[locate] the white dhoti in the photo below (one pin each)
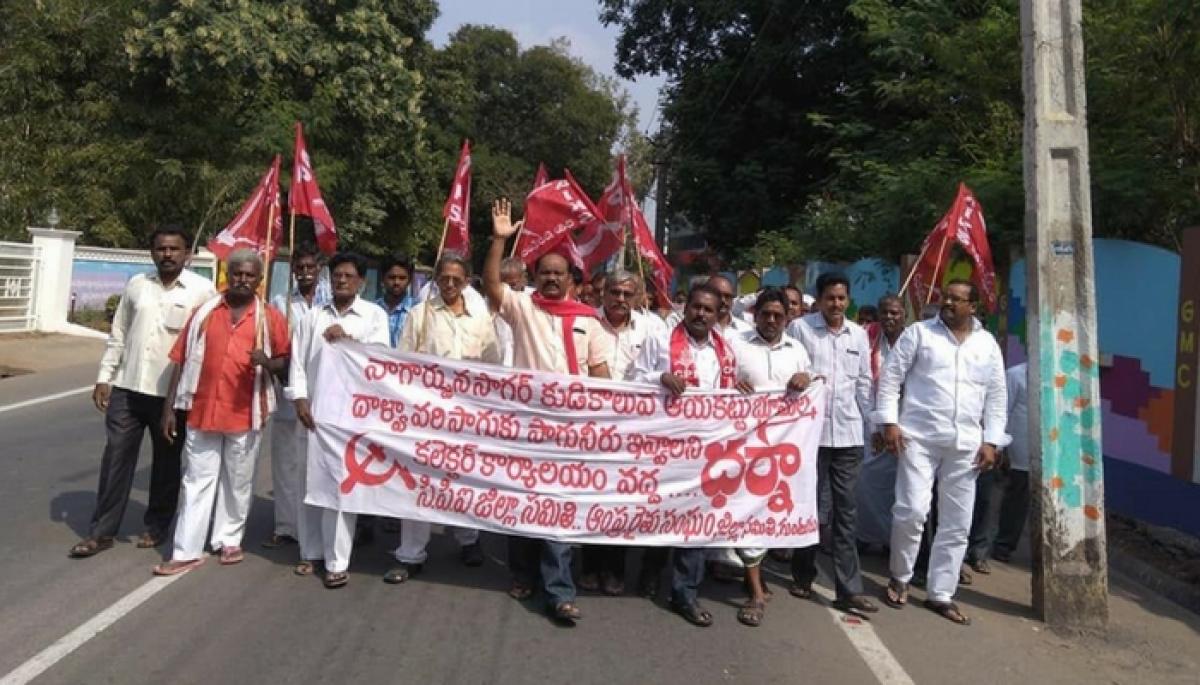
(954, 471)
(308, 517)
(287, 471)
(337, 538)
(414, 538)
(218, 483)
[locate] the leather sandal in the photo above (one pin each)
(693, 614)
(336, 579)
(90, 547)
(567, 611)
(149, 540)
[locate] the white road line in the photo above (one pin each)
(47, 398)
(93, 627)
(862, 635)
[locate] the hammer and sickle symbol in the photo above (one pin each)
(356, 471)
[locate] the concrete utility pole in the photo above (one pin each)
(1070, 576)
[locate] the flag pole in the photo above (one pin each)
(912, 271)
(938, 265)
(291, 252)
(425, 303)
(267, 265)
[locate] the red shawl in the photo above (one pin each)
(684, 366)
(566, 309)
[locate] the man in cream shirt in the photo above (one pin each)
(131, 387)
(446, 325)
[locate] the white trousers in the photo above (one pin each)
(218, 470)
(414, 538)
(287, 487)
(918, 468)
(324, 534)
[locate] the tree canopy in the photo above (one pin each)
(840, 129)
(124, 115)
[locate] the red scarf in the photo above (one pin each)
(566, 309)
(684, 366)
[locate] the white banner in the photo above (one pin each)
(561, 457)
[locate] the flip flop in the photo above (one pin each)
(174, 568)
(896, 594)
(231, 556)
(693, 614)
(751, 613)
(304, 568)
(336, 579)
(949, 611)
(90, 547)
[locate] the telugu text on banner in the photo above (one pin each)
(568, 458)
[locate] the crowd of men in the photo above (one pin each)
(918, 415)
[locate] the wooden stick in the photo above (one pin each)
(912, 271)
(258, 335)
(517, 241)
(937, 267)
(291, 276)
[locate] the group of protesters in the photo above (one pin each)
(916, 413)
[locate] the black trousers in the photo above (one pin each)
(524, 559)
(605, 559)
(837, 469)
(979, 545)
(1014, 511)
(128, 417)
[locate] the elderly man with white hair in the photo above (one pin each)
(222, 362)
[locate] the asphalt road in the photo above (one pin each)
(258, 622)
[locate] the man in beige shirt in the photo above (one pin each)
(445, 325)
(131, 387)
(551, 332)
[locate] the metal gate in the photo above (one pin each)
(18, 284)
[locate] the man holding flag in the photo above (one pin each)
(550, 333)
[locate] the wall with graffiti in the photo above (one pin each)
(1137, 296)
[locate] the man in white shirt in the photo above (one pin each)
(328, 534)
(767, 359)
(604, 565)
(131, 387)
(512, 272)
(286, 455)
(446, 325)
(950, 425)
(1014, 507)
(551, 332)
(727, 323)
(691, 355)
(840, 352)
(876, 491)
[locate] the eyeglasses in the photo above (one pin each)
(953, 299)
(450, 280)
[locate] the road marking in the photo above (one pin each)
(93, 627)
(47, 398)
(862, 635)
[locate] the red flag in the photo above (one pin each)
(542, 176)
(971, 233)
(962, 224)
(552, 211)
(662, 273)
(304, 198)
(457, 211)
(249, 229)
(601, 239)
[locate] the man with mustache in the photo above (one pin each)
(551, 332)
(949, 426)
(604, 565)
(285, 452)
(446, 325)
(693, 354)
(768, 359)
(876, 489)
(131, 389)
(328, 534)
(841, 354)
(223, 362)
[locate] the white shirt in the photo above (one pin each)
(844, 359)
(767, 366)
(655, 360)
(147, 322)
(949, 388)
(629, 341)
(1016, 380)
(736, 325)
(443, 333)
(504, 337)
(300, 308)
(364, 321)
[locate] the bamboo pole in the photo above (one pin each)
(938, 267)
(291, 253)
(259, 333)
(912, 271)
